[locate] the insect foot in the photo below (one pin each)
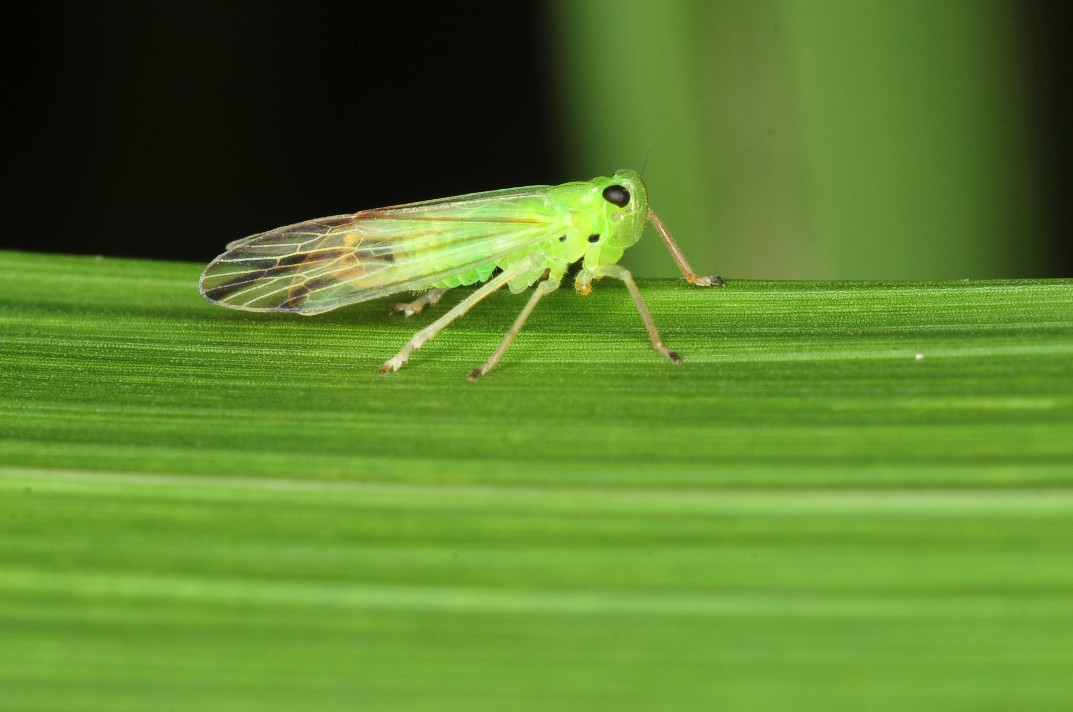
(477, 373)
(430, 298)
(392, 364)
(407, 308)
(710, 281)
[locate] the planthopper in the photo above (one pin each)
(515, 237)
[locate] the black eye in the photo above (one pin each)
(617, 195)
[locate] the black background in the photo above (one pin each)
(158, 130)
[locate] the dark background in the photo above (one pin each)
(1050, 68)
(157, 130)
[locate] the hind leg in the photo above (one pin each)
(419, 339)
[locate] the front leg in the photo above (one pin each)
(679, 256)
(618, 272)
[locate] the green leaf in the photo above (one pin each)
(850, 495)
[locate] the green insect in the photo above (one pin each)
(531, 235)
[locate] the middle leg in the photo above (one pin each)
(545, 287)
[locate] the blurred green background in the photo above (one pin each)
(820, 139)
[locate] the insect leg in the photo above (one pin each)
(429, 298)
(545, 287)
(418, 339)
(619, 272)
(679, 256)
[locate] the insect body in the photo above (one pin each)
(531, 235)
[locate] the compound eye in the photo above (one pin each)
(617, 195)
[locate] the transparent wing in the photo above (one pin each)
(323, 264)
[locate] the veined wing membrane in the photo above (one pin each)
(322, 264)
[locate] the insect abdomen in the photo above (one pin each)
(480, 274)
